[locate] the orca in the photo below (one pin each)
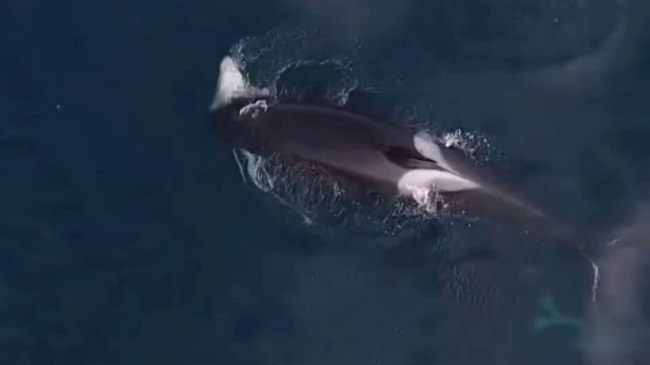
(379, 156)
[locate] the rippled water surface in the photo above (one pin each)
(128, 237)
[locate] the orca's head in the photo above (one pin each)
(233, 92)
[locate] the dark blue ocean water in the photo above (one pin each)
(127, 236)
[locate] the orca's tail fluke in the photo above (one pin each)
(618, 314)
(596, 246)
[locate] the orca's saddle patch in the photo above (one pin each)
(409, 159)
